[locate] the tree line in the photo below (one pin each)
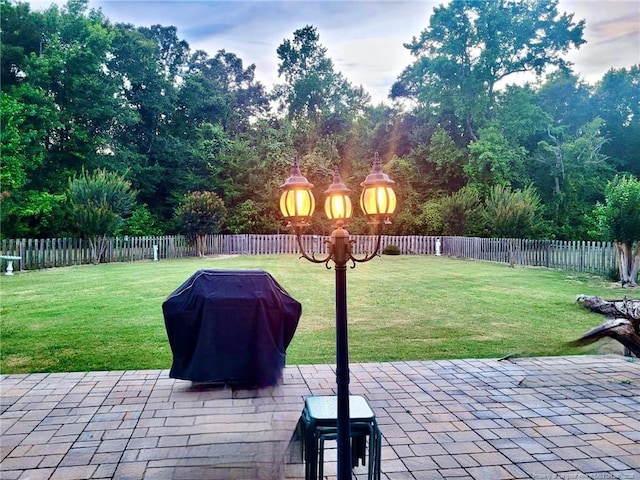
(472, 153)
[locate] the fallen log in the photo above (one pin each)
(622, 322)
(625, 308)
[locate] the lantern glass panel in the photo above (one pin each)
(378, 200)
(297, 203)
(337, 207)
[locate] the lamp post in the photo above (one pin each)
(378, 202)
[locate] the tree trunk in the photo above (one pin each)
(470, 129)
(98, 246)
(624, 308)
(512, 254)
(635, 266)
(201, 243)
(628, 263)
(558, 171)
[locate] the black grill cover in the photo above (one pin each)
(230, 327)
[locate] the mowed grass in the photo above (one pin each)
(109, 317)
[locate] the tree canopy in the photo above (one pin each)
(472, 45)
(619, 221)
(200, 214)
(81, 94)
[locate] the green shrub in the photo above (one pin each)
(141, 223)
(391, 250)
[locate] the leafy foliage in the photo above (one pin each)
(471, 45)
(80, 93)
(619, 220)
(512, 213)
(619, 216)
(617, 99)
(141, 223)
(460, 212)
(430, 219)
(313, 88)
(100, 201)
(200, 214)
(494, 161)
(574, 173)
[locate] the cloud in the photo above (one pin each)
(612, 33)
(617, 29)
(364, 39)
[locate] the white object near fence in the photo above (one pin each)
(155, 253)
(438, 247)
(10, 259)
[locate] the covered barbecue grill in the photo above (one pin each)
(230, 327)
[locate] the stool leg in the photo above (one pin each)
(378, 453)
(310, 449)
(321, 458)
(372, 458)
(312, 458)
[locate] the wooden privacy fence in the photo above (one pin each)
(592, 257)
(41, 253)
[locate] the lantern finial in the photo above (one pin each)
(296, 179)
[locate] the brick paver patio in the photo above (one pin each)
(542, 418)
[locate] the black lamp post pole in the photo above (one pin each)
(378, 202)
(341, 250)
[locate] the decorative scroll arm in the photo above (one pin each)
(339, 248)
(374, 253)
(303, 254)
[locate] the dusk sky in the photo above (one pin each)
(363, 38)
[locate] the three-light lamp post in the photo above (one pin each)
(378, 202)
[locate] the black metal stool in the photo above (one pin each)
(319, 422)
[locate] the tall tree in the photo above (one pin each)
(60, 100)
(23, 34)
(472, 45)
(566, 100)
(619, 220)
(520, 118)
(617, 100)
(312, 88)
(28, 115)
(221, 90)
(146, 62)
(71, 68)
(571, 172)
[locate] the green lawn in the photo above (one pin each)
(109, 317)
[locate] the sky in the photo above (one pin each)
(364, 38)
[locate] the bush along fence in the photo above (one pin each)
(590, 257)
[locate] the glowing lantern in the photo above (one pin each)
(378, 200)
